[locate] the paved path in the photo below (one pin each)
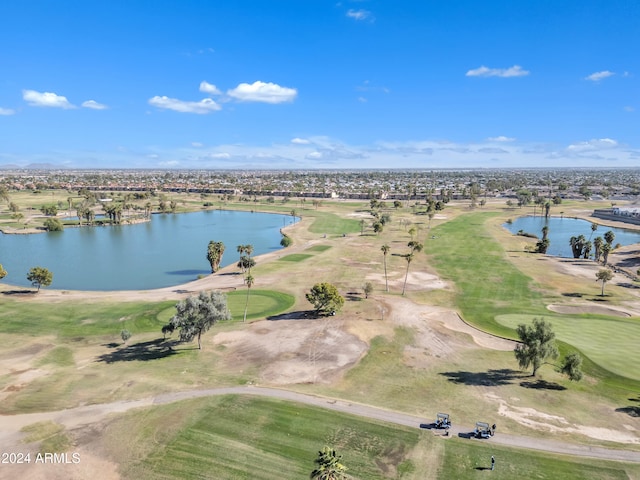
(10, 425)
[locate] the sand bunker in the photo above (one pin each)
(555, 424)
(585, 308)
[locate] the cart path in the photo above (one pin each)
(10, 425)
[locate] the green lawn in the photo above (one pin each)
(71, 319)
(295, 257)
(236, 437)
(611, 343)
(487, 284)
(332, 224)
(262, 303)
(318, 248)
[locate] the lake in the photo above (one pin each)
(562, 229)
(169, 250)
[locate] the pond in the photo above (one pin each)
(562, 229)
(169, 250)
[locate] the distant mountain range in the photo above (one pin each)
(31, 166)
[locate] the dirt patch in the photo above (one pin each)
(595, 309)
(422, 281)
(293, 351)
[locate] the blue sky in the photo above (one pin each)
(320, 84)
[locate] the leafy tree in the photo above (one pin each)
(325, 298)
(3, 272)
(125, 335)
(53, 225)
(397, 204)
(368, 289)
(385, 251)
(40, 277)
(537, 344)
(49, 210)
(603, 275)
(572, 367)
(363, 223)
(328, 466)
(249, 280)
(286, 241)
(197, 314)
(215, 250)
(378, 227)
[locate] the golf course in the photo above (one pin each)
(276, 383)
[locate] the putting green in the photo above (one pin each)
(612, 343)
(262, 303)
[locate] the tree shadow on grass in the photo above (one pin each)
(633, 410)
(142, 351)
(297, 315)
(542, 385)
(503, 376)
(19, 292)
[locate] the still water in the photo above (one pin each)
(562, 229)
(169, 250)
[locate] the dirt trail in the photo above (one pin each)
(75, 417)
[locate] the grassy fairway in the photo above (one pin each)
(488, 285)
(242, 437)
(611, 343)
(333, 224)
(471, 459)
(235, 437)
(295, 257)
(262, 303)
(79, 320)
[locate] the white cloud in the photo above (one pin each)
(313, 155)
(300, 141)
(597, 76)
(262, 92)
(46, 99)
(6, 111)
(204, 106)
(197, 144)
(515, 71)
(94, 105)
(362, 100)
(224, 155)
(629, 108)
(501, 138)
(209, 88)
(359, 14)
(593, 144)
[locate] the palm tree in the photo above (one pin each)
(385, 250)
(415, 246)
(249, 280)
(597, 245)
(609, 237)
(215, 250)
(408, 258)
(328, 466)
(594, 227)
